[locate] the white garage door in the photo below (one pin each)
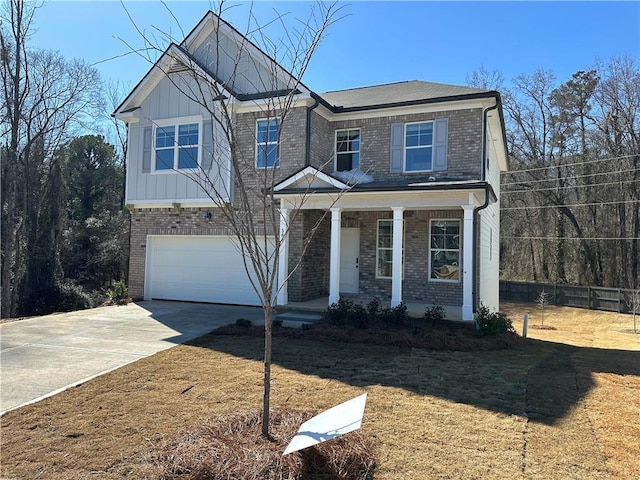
(197, 269)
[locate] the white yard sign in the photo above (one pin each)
(332, 423)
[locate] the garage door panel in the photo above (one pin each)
(203, 269)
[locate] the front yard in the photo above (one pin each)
(562, 405)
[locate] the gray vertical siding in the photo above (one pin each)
(166, 101)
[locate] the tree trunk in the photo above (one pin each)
(268, 312)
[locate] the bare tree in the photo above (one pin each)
(44, 98)
(248, 202)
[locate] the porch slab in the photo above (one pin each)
(415, 309)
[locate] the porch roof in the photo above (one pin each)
(378, 196)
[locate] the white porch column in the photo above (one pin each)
(334, 262)
(467, 264)
(396, 259)
(283, 258)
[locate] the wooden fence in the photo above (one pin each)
(593, 298)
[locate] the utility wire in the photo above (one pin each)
(574, 177)
(568, 238)
(569, 164)
(572, 205)
(570, 186)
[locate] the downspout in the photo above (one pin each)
(476, 211)
(307, 160)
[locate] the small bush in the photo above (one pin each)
(492, 323)
(374, 308)
(244, 323)
(276, 323)
(434, 314)
(396, 316)
(338, 313)
(71, 297)
(118, 293)
(358, 316)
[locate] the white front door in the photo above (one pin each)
(349, 260)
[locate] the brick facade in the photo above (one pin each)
(311, 277)
(464, 150)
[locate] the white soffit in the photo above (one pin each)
(332, 423)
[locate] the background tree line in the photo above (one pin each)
(64, 232)
(570, 209)
(570, 202)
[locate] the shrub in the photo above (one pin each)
(243, 322)
(396, 316)
(358, 316)
(71, 297)
(434, 314)
(276, 322)
(374, 308)
(118, 293)
(338, 313)
(492, 323)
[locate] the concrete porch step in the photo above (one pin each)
(297, 319)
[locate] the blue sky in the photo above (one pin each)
(376, 42)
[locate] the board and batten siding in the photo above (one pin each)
(166, 102)
(490, 239)
(244, 73)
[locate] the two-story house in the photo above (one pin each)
(400, 183)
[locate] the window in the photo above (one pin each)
(267, 143)
(444, 261)
(384, 250)
(176, 155)
(418, 147)
(347, 149)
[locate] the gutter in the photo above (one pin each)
(476, 211)
(307, 154)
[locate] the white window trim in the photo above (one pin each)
(175, 122)
(460, 252)
(404, 147)
(277, 161)
(391, 248)
(335, 146)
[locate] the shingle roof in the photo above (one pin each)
(394, 93)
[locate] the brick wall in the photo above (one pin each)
(464, 151)
(416, 285)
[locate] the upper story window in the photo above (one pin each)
(267, 155)
(347, 149)
(444, 258)
(418, 147)
(176, 147)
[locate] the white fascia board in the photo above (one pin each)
(159, 71)
(314, 174)
(444, 106)
(494, 134)
(360, 201)
(129, 116)
(186, 203)
(249, 106)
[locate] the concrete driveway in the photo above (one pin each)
(42, 356)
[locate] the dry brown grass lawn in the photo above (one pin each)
(564, 405)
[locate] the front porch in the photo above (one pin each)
(414, 308)
(412, 244)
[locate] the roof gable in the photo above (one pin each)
(310, 178)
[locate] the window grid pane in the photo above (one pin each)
(418, 147)
(347, 149)
(445, 250)
(267, 143)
